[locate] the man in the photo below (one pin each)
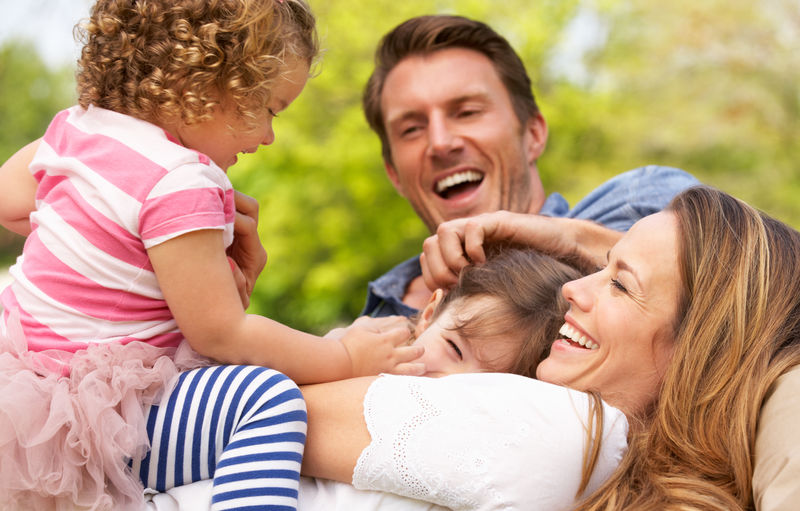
(461, 134)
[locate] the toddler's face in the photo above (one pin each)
(222, 144)
(447, 352)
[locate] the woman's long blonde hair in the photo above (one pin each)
(738, 330)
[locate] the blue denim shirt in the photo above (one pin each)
(618, 204)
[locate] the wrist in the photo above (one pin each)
(344, 364)
(592, 243)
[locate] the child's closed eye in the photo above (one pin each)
(455, 348)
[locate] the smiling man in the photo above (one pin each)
(461, 134)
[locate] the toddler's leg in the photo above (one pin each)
(245, 426)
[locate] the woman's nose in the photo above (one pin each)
(579, 293)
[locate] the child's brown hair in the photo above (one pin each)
(176, 60)
(526, 287)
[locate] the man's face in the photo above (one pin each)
(457, 146)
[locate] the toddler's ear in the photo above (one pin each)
(426, 317)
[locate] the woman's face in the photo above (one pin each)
(619, 331)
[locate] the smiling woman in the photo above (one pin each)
(621, 319)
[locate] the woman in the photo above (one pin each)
(695, 314)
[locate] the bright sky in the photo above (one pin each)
(47, 24)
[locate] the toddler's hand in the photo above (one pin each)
(380, 345)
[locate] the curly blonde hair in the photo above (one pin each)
(176, 60)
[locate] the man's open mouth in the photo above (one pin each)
(458, 183)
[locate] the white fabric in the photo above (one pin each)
(482, 441)
(315, 495)
(472, 441)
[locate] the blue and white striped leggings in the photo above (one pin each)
(243, 426)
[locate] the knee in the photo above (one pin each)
(280, 393)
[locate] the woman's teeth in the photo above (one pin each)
(572, 334)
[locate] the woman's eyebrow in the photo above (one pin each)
(623, 266)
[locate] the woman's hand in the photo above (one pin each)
(380, 345)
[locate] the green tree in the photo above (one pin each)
(30, 94)
(709, 86)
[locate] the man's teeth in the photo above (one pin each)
(457, 179)
(568, 331)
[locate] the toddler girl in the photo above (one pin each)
(126, 258)
(502, 316)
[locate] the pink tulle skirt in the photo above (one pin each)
(66, 435)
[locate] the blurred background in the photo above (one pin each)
(712, 87)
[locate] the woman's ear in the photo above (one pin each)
(426, 317)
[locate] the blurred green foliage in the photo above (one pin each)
(711, 87)
(30, 93)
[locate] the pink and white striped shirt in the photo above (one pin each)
(110, 186)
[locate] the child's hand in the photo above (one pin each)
(247, 250)
(380, 345)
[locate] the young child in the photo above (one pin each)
(502, 316)
(126, 258)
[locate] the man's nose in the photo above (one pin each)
(442, 138)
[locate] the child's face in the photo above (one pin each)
(218, 141)
(447, 352)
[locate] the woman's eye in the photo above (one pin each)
(272, 112)
(455, 348)
(618, 285)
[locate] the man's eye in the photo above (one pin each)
(468, 112)
(272, 112)
(408, 130)
(455, 348)
(618, 285)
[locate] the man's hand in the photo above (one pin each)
(246, 253)
(380, 345)
(462, 241)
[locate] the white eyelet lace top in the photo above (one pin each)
(485, 441)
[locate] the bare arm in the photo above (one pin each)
(18, 190)
(194, 275)
(456, 243)
(337, 432)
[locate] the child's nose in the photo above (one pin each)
(269, 136)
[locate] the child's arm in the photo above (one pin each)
(18, 190)
(197, 283)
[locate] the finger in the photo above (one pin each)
(408, 353)
(400, 335)
(451, 245)
(474, 241)
(244, 224)
(435, 270)
(246, 205)
(384, 324)
(409, 369)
